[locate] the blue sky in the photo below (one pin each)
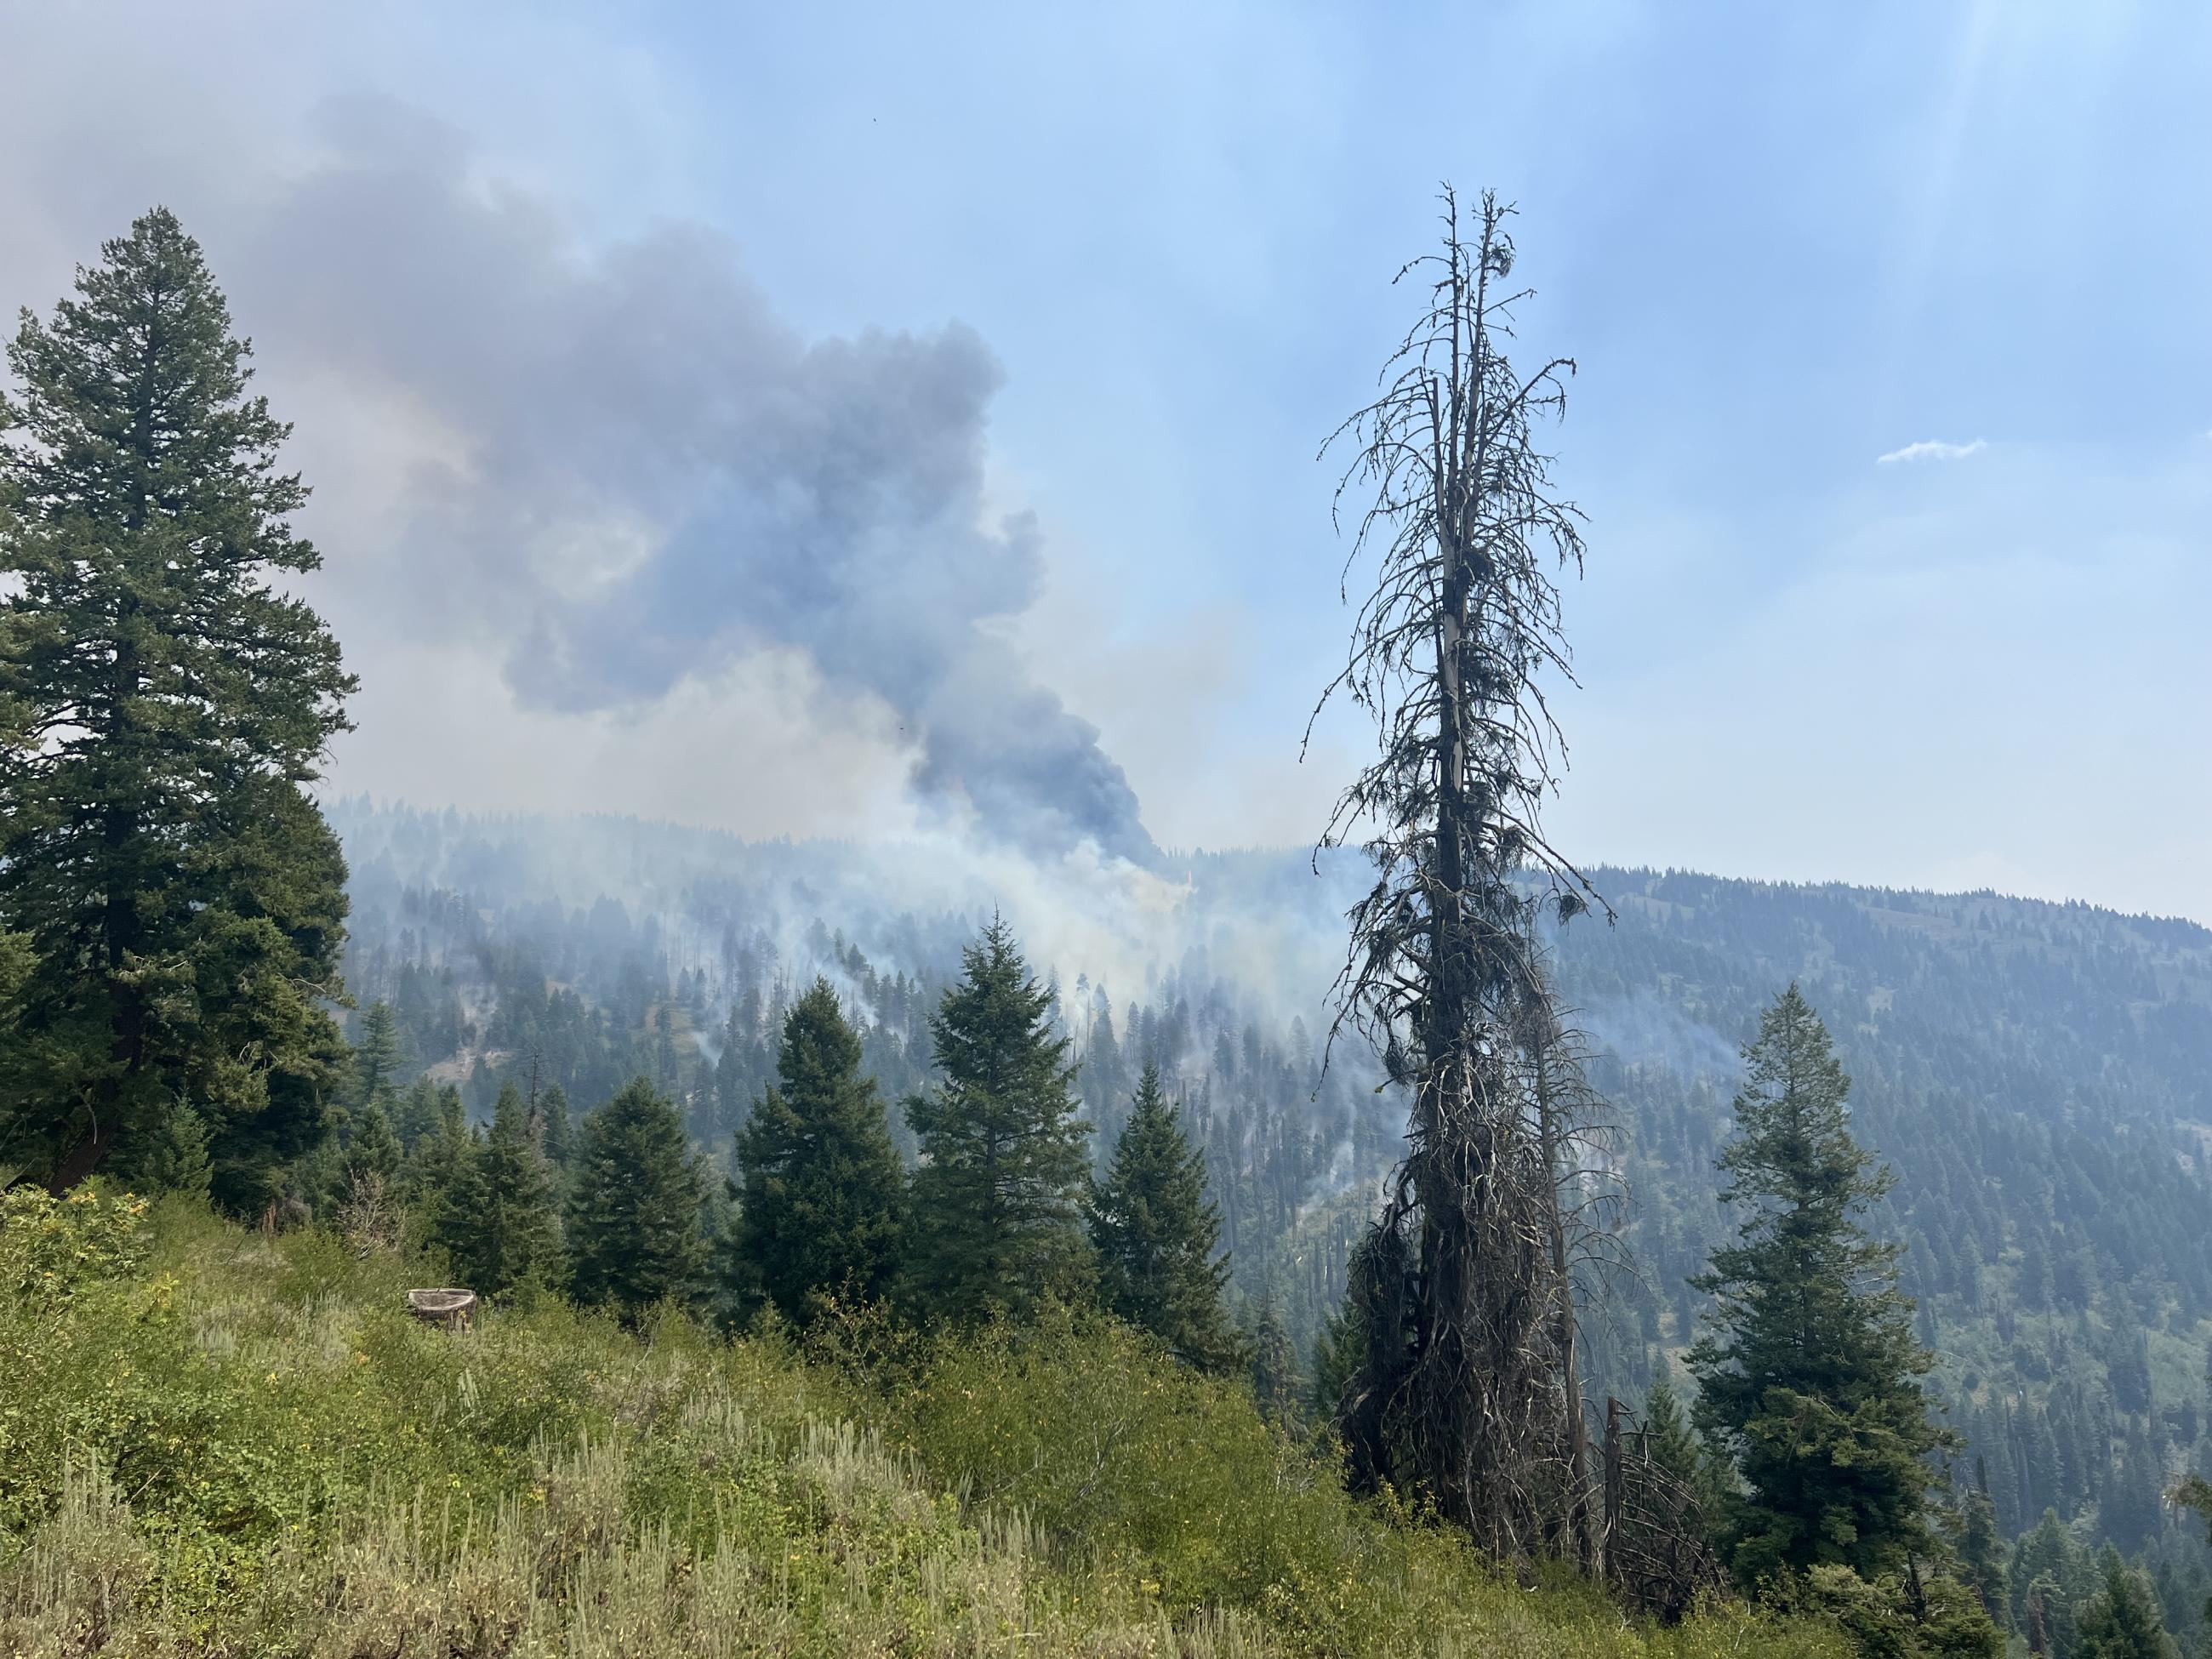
(1782, 242)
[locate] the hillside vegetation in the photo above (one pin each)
(217, 1440)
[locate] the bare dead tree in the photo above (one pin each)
(1654, 1527)
(1469, 1390)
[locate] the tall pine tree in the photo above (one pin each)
(635, 1198)
(161, 707)
(1809, 1373)
(822, 1195)
(1157, 1234)
(997, 1202)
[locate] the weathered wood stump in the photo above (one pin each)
(450, 1308)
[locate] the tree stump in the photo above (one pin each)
(451, 1308)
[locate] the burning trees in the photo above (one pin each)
(1468, 1389)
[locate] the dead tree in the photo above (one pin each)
(1654, 1527)
(1468, 1392)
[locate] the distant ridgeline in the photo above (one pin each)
(2039, 1074)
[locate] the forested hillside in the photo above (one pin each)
(2039, 1075)
(984, 1242)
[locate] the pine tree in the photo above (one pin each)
(1676, 1449)
(1157, 1234)
(172, 1158)
(2122, 1620)
(822, 1195)
(634, 1206)
(1339, 1350)
(379, 1055)
(438, 1165)
(372, 1147)
(2053, 1576)
(416, 1112)
(504, 1229)
(556, 1130)
(1809, 1370)
(1275, 1361)
(997, 1202)
(161, 708)
(2195, 1493)
(1981, 1552)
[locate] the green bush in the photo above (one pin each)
(218, 1441)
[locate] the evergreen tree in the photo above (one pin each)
(1981, 1554)
(1155, 1233)
(1275, 1361)
(172, 1158)
(1339, 1350)
(436, 1165)
(379, 1055)
(2195, 1493)
(373, 1148)
(2122, 1620)
(1809, 1370)
(1674, 1447)
(634, 1206)
(2051, 1576)
(822, 1195)
(997, 1202)
(504, 1228)
(557, 1129)
(161, 707)
(417, 1112)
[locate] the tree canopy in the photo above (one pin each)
(161, 705)
(821, 1190)
(996, 1210)
(1808, 1371)
(1157, 1235)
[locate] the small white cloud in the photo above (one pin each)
(1930, 449)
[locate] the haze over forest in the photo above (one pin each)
(778, 696)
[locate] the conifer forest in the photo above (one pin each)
(595, 1059)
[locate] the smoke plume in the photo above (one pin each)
(624, 468)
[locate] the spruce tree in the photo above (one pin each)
(2122, 1620)
(635, 1200)
(1809, 1373)
(1157, 1234)
(504, 1228)
(997, 1202)
(821, 1192)
(161, 707)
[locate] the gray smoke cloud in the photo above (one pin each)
(629, 466)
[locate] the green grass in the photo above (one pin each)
(226, 1442)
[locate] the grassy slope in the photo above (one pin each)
(242, 1444)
